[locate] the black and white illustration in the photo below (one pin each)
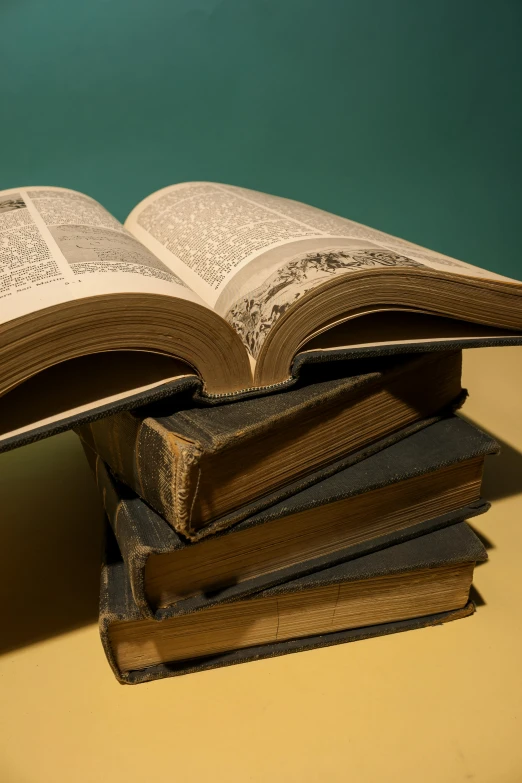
(11, 202)
(90, 249)
(429, 256)
(253, 315)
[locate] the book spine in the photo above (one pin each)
(132, 550)
(116, 605)
(158, 465)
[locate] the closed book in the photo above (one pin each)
(201, 469)
(426, 481)
(420, 582)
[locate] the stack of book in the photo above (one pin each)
(325, 514)
(293, 473)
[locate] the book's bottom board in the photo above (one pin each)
(259, 652)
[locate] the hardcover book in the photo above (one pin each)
(201, 468)
(215, 285)
(427, 481)
(424, 581)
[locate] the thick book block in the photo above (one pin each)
(215, 287)
(426, 481)
(201, 469)
(441, 563)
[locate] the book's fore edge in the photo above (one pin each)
(453, 540)
(274, 578)
(483, 446)
(250, 654)
(237, 515)
(260, 504)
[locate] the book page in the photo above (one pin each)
(252, 255)
(57, 245)
(207, 232)
(210, 234)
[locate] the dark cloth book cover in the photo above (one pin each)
(142, 533)
(454, 545)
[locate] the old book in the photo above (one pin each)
(200, 468)
(427, 481)
(211, 282)
(419, 582)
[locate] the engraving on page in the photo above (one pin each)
(253, 315)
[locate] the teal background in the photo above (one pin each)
(404, 114)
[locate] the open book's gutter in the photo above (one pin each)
(251, 389)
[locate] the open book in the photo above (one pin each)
(216, 281)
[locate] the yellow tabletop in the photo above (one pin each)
(435, 705)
